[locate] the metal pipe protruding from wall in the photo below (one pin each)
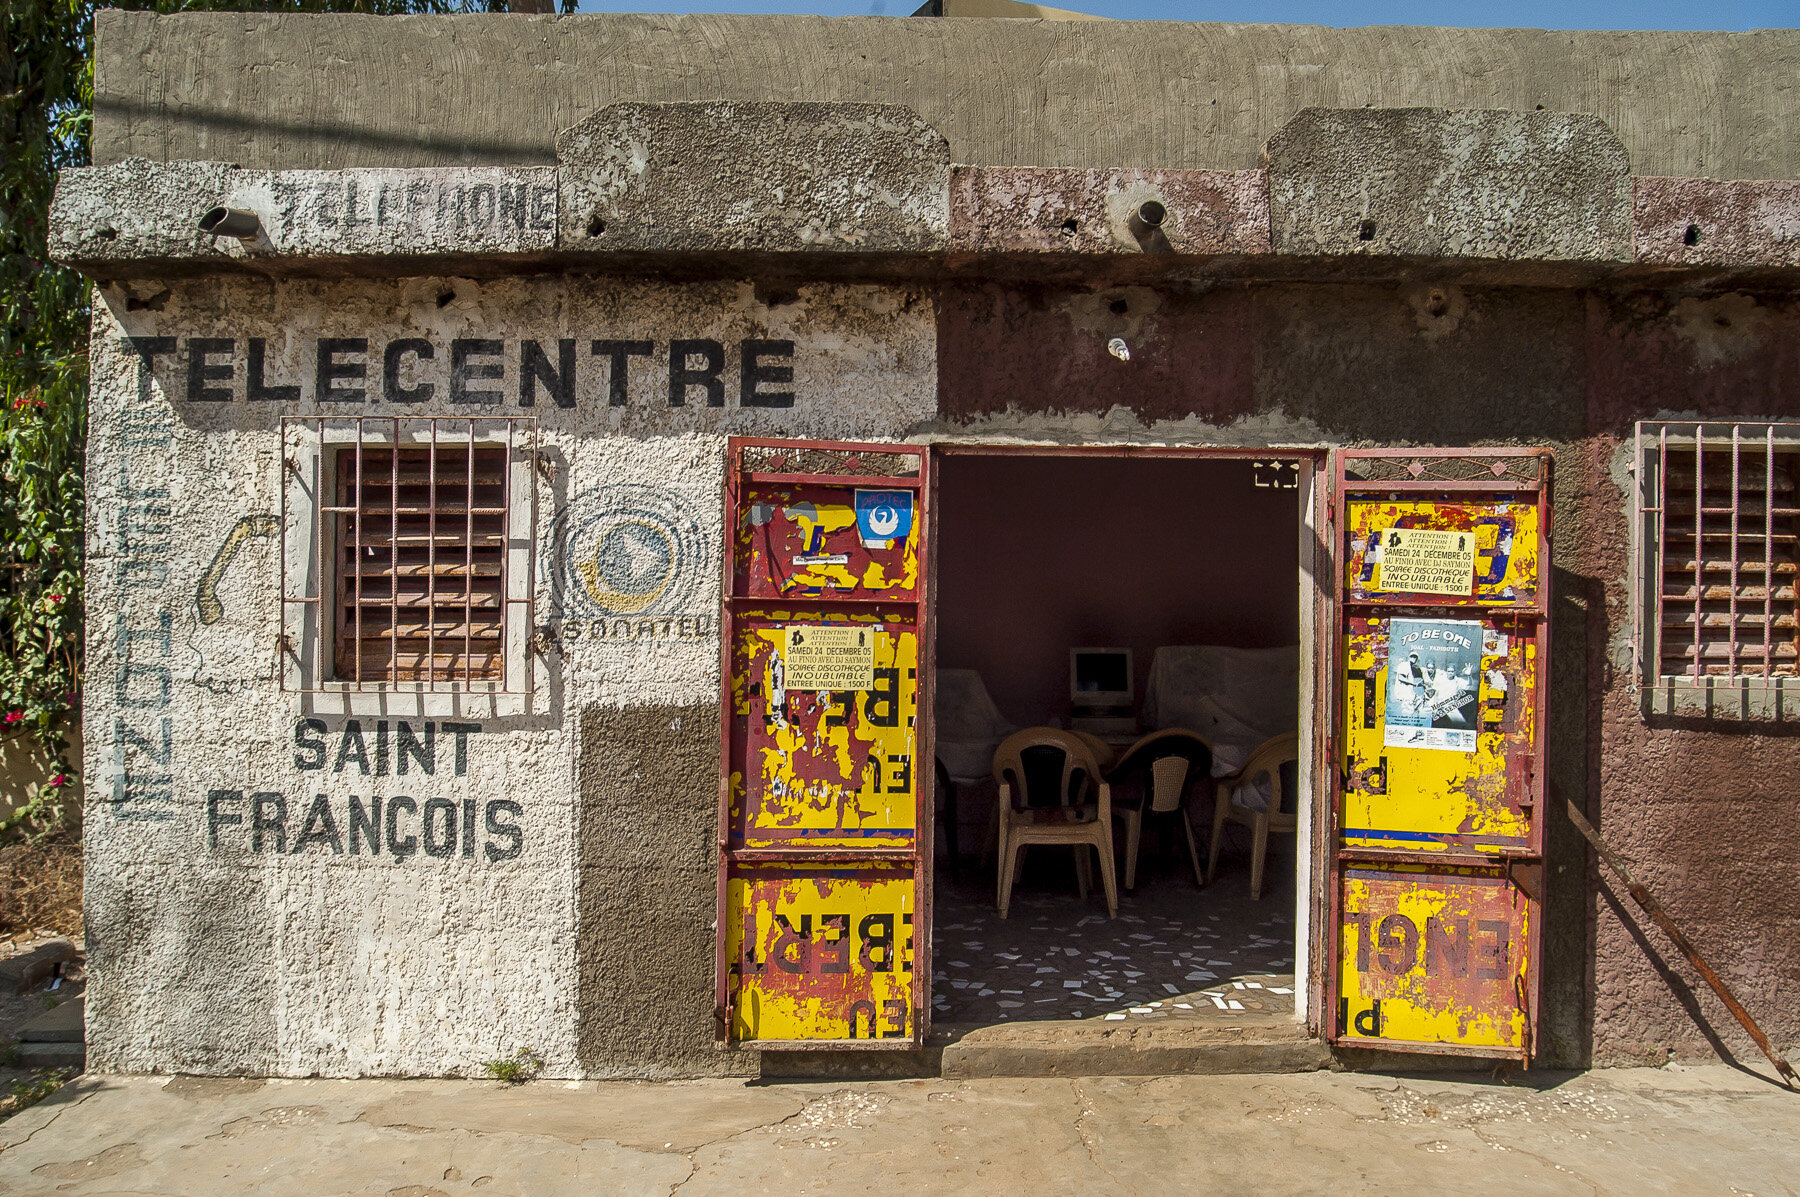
(241, 223)
(1147, 218)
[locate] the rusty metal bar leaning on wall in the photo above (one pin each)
(1654, 909)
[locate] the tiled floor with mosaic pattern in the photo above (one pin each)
(1173, 950)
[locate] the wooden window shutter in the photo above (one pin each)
(420, 561)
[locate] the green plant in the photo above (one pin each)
(33, 1089)
(523, 1065)
(46, 97)
(46, 112)
(9, 1055)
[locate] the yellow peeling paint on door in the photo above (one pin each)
(822, 957)
(1437, 845)
(823, 932)
(1434, 957)
(819, 762)
(802, 541)
(1506, 544)
(1439, 799)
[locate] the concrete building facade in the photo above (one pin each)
(593, 250)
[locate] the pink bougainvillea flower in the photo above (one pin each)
(14, 716)
(61, 779)
(56, 598)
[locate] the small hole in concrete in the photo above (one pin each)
(445, 297)
(1722, 321)
(1693, 235)
(596, 226)
(107, 234)
(774, 296)
(1437, 303)
(1070, 227)
(1119, 307)
(1540, 107)
(1366, 232)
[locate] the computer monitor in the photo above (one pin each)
(1100, 677)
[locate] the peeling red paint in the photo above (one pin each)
(1713, 222)
(1039, 210)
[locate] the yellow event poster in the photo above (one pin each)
(829, 658)
(1427, 561)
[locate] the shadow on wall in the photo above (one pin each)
(648, 787)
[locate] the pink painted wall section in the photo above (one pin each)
(1038, 555)
(1706, 813)
(1010, 210)
(1022, 348)
(1049, 211)
(1675, 355)
(1709, 222)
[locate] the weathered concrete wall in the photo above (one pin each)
(1697, 804)
(649, 793)
(637, 188)
(767, 178)
(1703, 808)
(574, 921)
(1257, 315)
(1424, 183)
(337, 91)
(593, 944)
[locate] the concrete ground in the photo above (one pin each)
(1679, 1130)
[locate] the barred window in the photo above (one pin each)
(421, 547)
(1719, 522)
(418, 572)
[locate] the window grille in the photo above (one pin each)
(419, 571)
(1719, 517)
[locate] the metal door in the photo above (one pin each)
(1436, 844)
(825, 798)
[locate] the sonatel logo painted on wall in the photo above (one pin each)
(488, 371)
(398, 825)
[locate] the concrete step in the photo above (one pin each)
(64, 1024)
(1095, 1047)
(51, 1055)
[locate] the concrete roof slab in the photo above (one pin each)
(754, 177)
(1448, 183)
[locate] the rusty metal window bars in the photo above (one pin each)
(1718, 507)
(416, 539)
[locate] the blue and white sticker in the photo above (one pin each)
(883, 516)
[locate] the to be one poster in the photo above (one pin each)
(1434, 684)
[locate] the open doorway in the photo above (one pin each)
(1126, 595)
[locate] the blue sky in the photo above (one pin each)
(1540, 14)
